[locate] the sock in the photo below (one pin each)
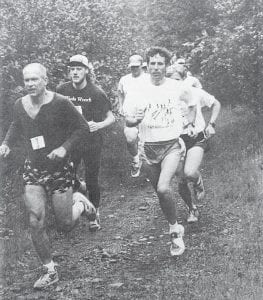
(50, 266)
(198, 180)
(173, 227)
(136, 158)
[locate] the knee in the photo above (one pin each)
(189, 174)
(36, 222)
(163, 189)
(131, 135)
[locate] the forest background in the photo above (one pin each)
(221, 39)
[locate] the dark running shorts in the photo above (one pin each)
(199, 141)
(58, 181)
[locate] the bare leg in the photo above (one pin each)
(66, 213)
(193, 161)
(164, 190)
(35, 199)
(131, 135)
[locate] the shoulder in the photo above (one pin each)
(125, 77)
(60, 100)
(64, 86)
(96, 89)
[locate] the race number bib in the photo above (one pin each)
(38, 142)
(79, 108)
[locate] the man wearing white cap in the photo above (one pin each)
(128, 89)
(93, 104)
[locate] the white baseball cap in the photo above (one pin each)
(135, 61)
(181, 61)
(79, 60)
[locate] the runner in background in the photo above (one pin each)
(195, 146)
(93, 104)
(128, 89)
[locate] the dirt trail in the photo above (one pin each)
(129, 258)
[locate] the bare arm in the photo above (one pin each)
(95, 126)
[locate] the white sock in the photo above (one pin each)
(136, 158)
(50, 266)
(173, 227)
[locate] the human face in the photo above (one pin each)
(78, 74)
(35, 82)
(136, 71)
(157, 69)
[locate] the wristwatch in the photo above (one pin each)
(213, 124)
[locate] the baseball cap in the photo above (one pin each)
(181, 61)
(135, 60)
(79, 60)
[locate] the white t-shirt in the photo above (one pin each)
(130, 87)
(193, 81)
(202, 99)
(163, 120)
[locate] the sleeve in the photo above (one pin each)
(120, 86)
(188, 95)
(103, 102)
(206, 100)
(15, 128)
(77, 125)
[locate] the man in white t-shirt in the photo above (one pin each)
(179, 68)
(161, 124)
(128, 89)
(195, 146)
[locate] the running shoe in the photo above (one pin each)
(199, 188)
(89, 209)
(136, 168)
(47, 279)
(193, 215)
(95, 225)
(177, 246)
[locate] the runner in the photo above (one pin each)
(159, 113)
(93, 104)
(195, 146)
(128, 88)
(180, 66)
(51, 126)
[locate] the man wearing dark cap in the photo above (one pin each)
(91, 101)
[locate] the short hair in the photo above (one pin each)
(40, 67)
(158, 50)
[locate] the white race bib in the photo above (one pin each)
(38, 142)
(79, 108)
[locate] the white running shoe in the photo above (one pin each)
(89, 209)
(47, 279)
(95, 225)
(193, 215)
(177, 246)
(136, 168)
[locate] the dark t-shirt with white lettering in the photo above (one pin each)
(91, 102)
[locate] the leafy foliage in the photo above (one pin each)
(222, 40)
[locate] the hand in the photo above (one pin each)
(139, 115)
(209, 131)
(93, 126)
(58, 153)
(4, 150)
(191, 131)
